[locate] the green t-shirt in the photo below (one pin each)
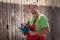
(40, 23)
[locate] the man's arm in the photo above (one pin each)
(41, 32)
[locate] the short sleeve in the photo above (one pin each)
(43, 22)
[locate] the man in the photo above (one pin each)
(38, 24)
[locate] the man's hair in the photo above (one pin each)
(31, 4)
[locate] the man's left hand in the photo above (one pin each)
(32, 33)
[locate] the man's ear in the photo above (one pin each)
(36, 8)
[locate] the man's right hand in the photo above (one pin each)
(23, 24)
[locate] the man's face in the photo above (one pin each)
(33, 8)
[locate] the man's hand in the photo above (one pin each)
(32, 33)
(23, 24)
